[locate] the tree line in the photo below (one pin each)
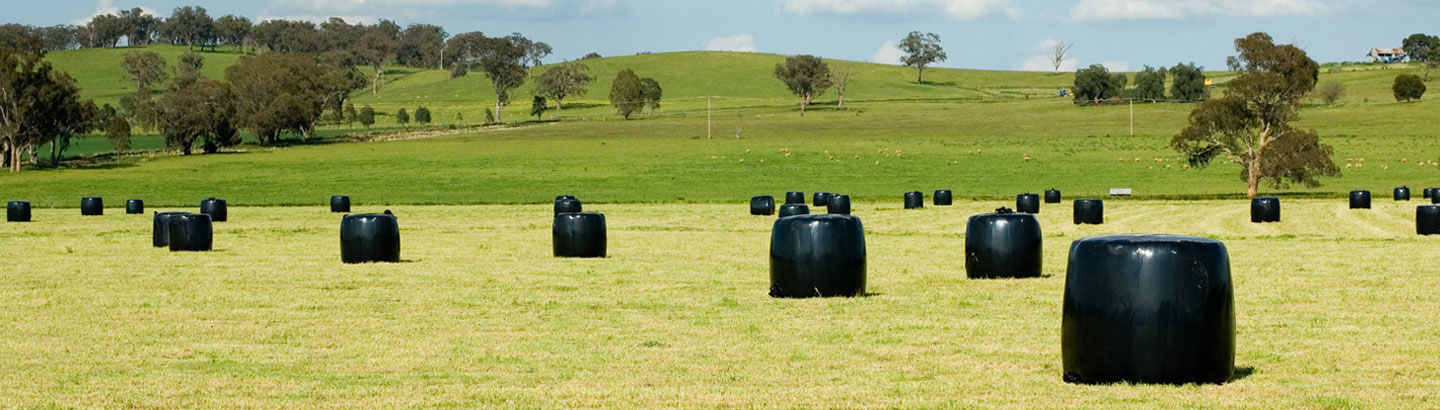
(1097, 85)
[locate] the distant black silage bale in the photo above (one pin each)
(366, 238)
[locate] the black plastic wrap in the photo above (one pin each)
(762, 205)
(1402, 194)
(1265, 209)
(1004, 244)
(191, 233)
(368, 238)
(215, 208)
(794, 197)
(1148, 309)
(817, 256)
(839, 205)
(914, 200)
(794, 209)
(1052, 196)
(160, 237)
(821, 199)
(579, 235)
(1089, 211)
(134, 206)
(17, 211)
(92, 206)
(1359, 199)
(340, 204)
(943, 197)
(567, 206)
(1027, 203)
(1427, 219)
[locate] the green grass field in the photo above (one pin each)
(1335, 308)
(968, 148)
(1336, 314)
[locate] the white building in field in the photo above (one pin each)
(1385, 55)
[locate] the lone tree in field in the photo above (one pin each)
(650, 92)
(367, 116)
(1060, 52)
(921, 50)
(563, 81)
(806, 76)
(1188, 83)
(501, 60)
(627, 93)
(537, 107)
(1095, 84)
(402, 117)
(843, 79)
(422, 115)
(1251, 124)
(1408, 87)
(117, 131)
(145, 68)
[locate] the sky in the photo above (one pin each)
(984, 34)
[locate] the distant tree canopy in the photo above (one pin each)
(402, 117)
(286, 92)
(627, 93)
(38, 105)
(921, 50)
(366, 116)
(806, 76)
(1251, 123)
(1149, 84)
(1421, 47)
(422, 115)
(1095, 84)
(1408, 87)
(191, 26)
(564, 81)
(650, 93)
(233, 30)
(421, 46)
(1189, 83)
(195, 108)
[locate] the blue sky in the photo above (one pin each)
(989, 34)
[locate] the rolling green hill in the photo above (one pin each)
(964, 129)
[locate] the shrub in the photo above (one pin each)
(1331, 91)
(1408, 87)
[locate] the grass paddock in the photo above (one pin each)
(1335, 310)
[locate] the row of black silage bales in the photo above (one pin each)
(1124, 319)
(1114, 283)
(1118, 322)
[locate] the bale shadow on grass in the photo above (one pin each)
(1242, 372)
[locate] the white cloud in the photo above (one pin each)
(1041, 61)
(959, 9)
(108, 7)
(889, 53)
(1116, 66)
(1099, 10)
(742, 42)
